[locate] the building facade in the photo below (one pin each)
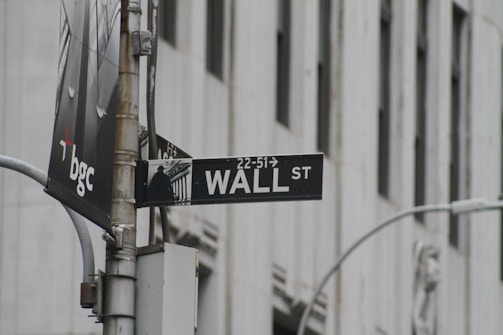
(404, 97)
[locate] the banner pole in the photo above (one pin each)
(120, 273)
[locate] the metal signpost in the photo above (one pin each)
(229, 180)
(94, 149)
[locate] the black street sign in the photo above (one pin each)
(166, 149)
(81, 162)
(229, 180)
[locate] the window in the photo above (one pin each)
(279, 329)
(421, 117)
(457, 121)
(384, 118)
(215, 37)
(324, 76)
(167, 21)
(283, 62)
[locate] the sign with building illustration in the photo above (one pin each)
(229, 180)
(81, 162)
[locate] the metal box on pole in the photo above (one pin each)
(166, 290)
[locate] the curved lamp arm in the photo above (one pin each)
(78, 221)
(456, 207)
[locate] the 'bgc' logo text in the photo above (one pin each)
(80, 171)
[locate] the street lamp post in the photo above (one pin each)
(86, 245)
(456, 208)
(83, 234)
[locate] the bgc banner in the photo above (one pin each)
(81, 162)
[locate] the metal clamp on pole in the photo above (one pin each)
(141, 43)
(88, 296)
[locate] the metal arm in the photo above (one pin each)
(457, 207)
(78, 221)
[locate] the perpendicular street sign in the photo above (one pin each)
(166, 149)
(229, 180)
(81, 162)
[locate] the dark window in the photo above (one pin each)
(279, 329)
(167, 21)
(384, 117)
(283, 62)
(215, 37)
(324, 76)
(421, 114)
(458, 18)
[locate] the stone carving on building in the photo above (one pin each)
(426, 278)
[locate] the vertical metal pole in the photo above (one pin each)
(120, 273)
(153, 25)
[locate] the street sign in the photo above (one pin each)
(229, 180)
(81, 162)
(165, 149)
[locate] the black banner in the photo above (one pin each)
(81, 162)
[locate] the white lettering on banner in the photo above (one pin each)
(81, 172)
(240, 181)
(63, 144)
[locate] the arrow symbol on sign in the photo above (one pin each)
(273, 161)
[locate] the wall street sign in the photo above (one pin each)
(229, 180)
